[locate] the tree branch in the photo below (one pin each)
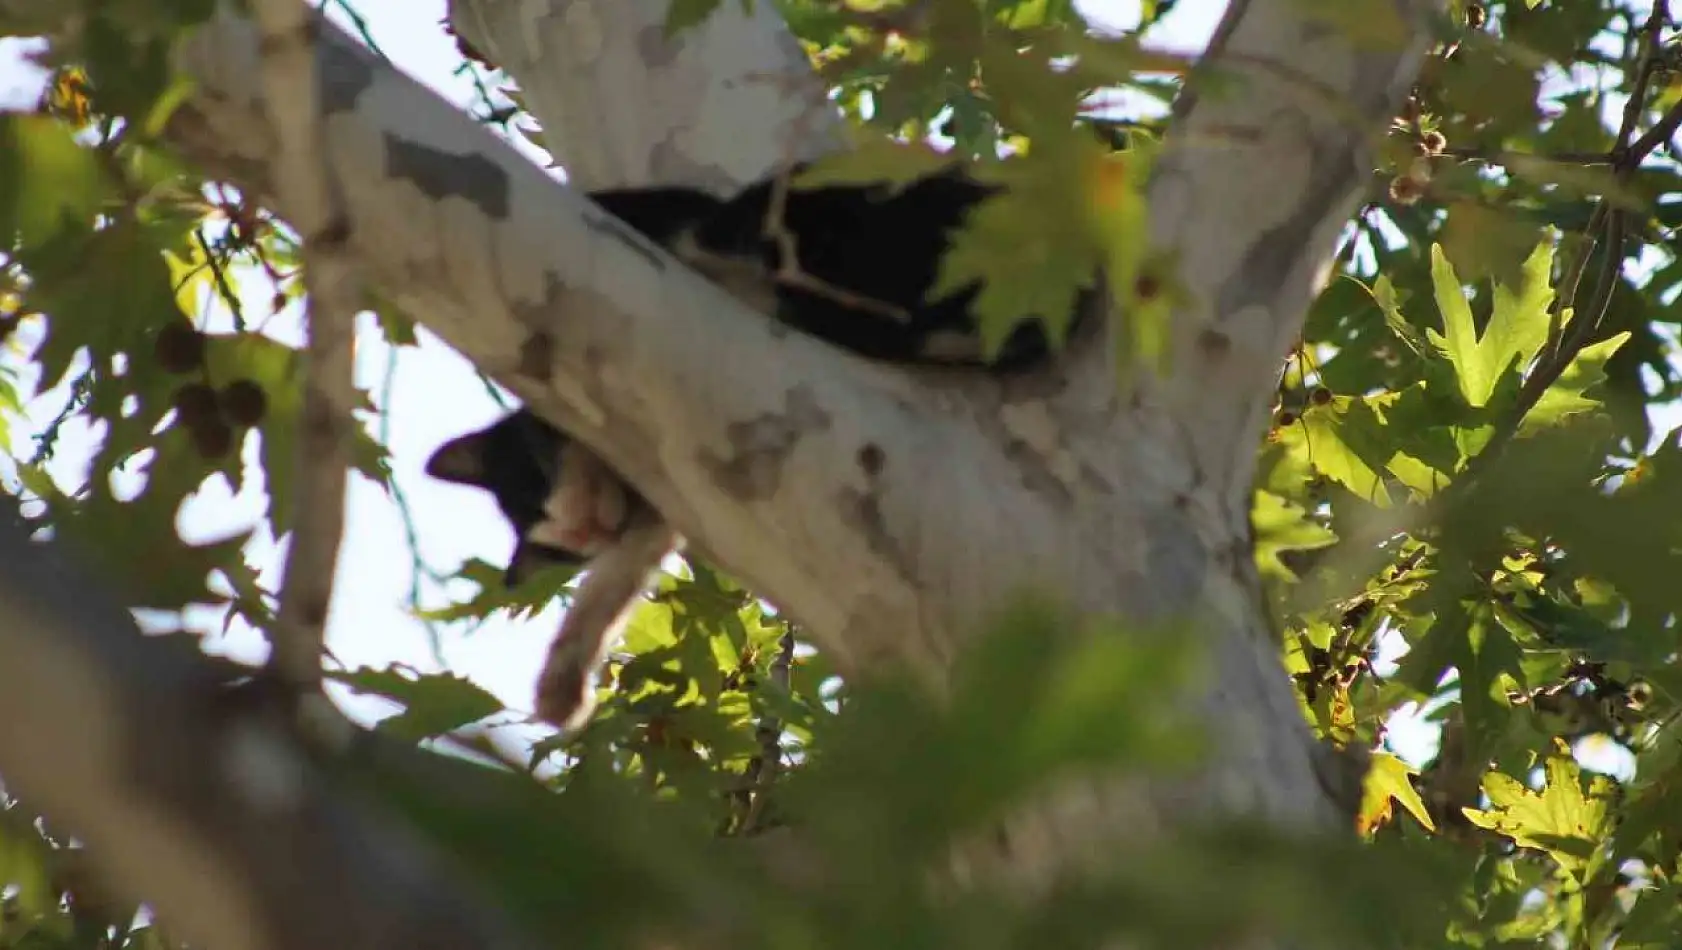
(206, 807)
(287, 68)
(606, 336)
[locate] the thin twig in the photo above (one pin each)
(1659, 134)
(1569, 284)
(220, 275)
(303, 181)
(1650, 52)
(1507, 156)
(762, 771)
(418, 567)
(788, 271)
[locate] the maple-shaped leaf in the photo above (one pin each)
(1028, 248)
(649, 628)
(1344, 441)
(47, 179)
(1568, 395)
(1571, 825)
(1389, 301)
(522, 602)
(1480, 649)
(1484, 242)
(136, 543)
(1418, 431)
(1280, 526)
(1387, 782)
(1517, 328)
(876, 160)
(434, 703)
(118, 313)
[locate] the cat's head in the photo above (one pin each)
(517, 460)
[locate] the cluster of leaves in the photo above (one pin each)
(1461, 465)
(611, 868)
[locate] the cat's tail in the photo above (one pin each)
(566, 689)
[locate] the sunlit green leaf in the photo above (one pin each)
(1562, 819)
(1517, 326)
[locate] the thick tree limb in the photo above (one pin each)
(604, 333)
(206, 808)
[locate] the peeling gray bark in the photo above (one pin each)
(835, 488)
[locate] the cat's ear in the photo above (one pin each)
(461, 460)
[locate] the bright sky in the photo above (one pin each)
(433, 396)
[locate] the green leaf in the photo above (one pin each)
(1656, 918)
(1389, 302)
(522, 602)
(1045, 275)
(1518, 324)
(1388, 781)
(46, 179)
(119, 312)
(875, 161)
(1484, 242)
(1568, 397)
(1483, 653)
(434, 703)
(1561, 819)
(1345, 444)
(683, 14)
(136, 541)
(1280, 526)
(649, 628)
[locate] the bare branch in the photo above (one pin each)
(1497, 156)
(303, 177)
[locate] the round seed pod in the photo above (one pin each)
(244, 402)
(213, 438)
(179, 348)
(196, 405)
